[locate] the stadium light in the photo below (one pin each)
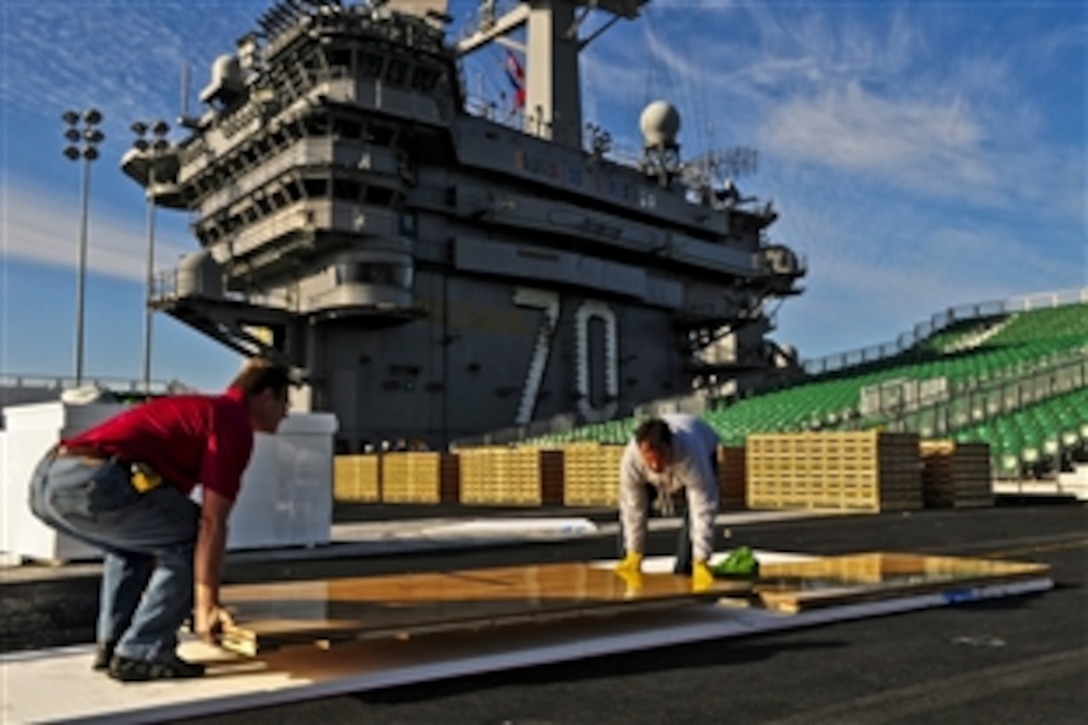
(155, 147)
(83, 140)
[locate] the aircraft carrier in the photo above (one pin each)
(434, 269)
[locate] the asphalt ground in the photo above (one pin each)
(1022, 659)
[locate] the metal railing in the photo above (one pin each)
(61, 383)
(1002, 396)
(941, 321)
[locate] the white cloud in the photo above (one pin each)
(853, 129)
(123, 58)
(44, 228)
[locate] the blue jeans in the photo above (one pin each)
(148, 541)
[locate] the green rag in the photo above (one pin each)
(740, 564)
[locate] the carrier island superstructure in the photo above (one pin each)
(433, 272)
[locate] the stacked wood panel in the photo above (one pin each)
(850, 471)
(355, 479)
(501, 476)
(419, 477)
(956, 475)
(591, 475)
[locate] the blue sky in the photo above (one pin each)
(921, 155)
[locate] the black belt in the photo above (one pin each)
(80, 451)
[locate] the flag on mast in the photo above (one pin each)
(516, 75)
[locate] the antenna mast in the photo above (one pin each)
(185, 120)
(553, 102)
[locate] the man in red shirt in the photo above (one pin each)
(124, 487)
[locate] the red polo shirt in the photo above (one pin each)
(186, 439)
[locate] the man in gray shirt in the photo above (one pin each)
(668, 454)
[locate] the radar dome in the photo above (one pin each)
(659, 122)
(226, 78)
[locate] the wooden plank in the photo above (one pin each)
(274, 615)
(834, 581)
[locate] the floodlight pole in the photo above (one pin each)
(89, 136)
(150, 280)
(154, 151)
(81, 274)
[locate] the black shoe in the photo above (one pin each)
(102, 656)
(174, 668)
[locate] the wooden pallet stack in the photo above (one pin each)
(850, 471)
(501, 476)
(591, 474)
(355, 479)
(956, 475)
(732, 477)
(420, 477)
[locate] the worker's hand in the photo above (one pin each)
(701, 577)
(631, 564)
(210, 622)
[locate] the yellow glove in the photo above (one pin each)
(631, 564)
(633, 580)
(701, 577)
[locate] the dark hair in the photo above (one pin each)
(259, 375)
(654, 432)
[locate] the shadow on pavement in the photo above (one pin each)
(679, 657)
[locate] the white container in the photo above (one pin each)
(30, 430)
(286, 496)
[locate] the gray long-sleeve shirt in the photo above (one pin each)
(694, 444)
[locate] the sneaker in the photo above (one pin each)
(102, 656)
(173, 668)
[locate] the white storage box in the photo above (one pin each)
(30, 430)
(286, 497)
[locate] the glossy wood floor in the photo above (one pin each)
(271, 615)
(835, 580)
(399, 606)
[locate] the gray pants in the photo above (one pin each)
(148, 541)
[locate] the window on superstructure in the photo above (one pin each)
(294, 191)
(316, 188)
(379, 196)
(397, 72)
(371, 65)
(344, 189)
(340, 58)
(380, 135)
(379, 273)
(424, 78)
(317, 126)
(348, 129)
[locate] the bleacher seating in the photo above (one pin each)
(958, 359)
